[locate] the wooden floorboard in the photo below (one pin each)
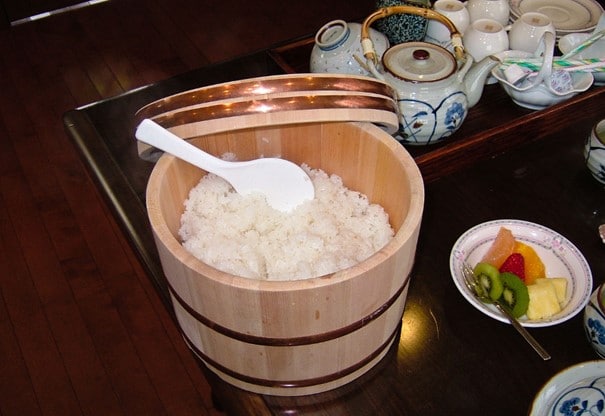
(82, 330)
(17, 393)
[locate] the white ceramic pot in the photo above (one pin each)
(433, 94)
(434, 87)
(337, 44)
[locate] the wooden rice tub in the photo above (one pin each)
(305, 336)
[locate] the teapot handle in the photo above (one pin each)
(368, 46)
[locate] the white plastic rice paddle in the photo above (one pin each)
(284, 184)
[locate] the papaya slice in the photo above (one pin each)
(502, 247)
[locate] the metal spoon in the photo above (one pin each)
(473, 285)
(284, 184)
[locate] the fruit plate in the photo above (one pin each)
(560, 257)
(580, 387)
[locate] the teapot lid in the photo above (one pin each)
(419, 62)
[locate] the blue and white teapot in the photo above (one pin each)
(434, 87)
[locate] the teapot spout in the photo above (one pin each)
(475, 78)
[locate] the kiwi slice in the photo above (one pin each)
(514, 296)
(489, 280)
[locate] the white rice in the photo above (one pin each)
(243, 236)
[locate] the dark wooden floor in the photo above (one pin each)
(81, 329)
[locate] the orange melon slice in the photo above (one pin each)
(502, 247)
(534, 267)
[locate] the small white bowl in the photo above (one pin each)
(561, 259)
(596, 50)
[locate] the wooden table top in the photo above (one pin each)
(505, 162)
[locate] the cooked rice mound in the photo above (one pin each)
(243, 236)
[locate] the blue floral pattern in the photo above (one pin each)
(577, 391)
(594, 323)
(583, 398)
(454, 116)
(596, 331)
(423, 124)
(576, 407)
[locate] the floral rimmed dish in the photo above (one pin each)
(560, 256)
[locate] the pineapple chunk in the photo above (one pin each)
(560, 284)
(543, 302)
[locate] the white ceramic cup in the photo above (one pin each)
(485, 37)
(498, 10)
(453, 10)
(336, 45)
(594, 156)
(525, 33)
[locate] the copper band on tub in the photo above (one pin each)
(290, 384)
(276, 105)
(265, 85)
(291, 341)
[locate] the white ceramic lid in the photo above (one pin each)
(419, 62)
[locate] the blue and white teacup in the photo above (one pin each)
(594, 320)
(338, 50)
